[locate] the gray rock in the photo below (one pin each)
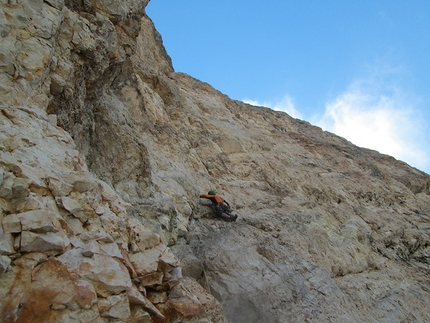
(190, 264)
(4, 264)
(91, 248)
(2, 173)
(20, 188)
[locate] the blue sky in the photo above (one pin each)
(357, 68)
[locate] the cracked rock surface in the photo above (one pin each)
(104, 150)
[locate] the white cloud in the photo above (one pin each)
(285, 105)
(373, 114)
(372, 117)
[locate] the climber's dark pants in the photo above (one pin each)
(222, 208)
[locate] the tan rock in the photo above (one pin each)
(79, 291)
(115, 307)
(7, 243)
(38, 221)
(91, 248)
(127, 263)
(58, 187)
(326, 231)
(29, 204)
(31, 260)
(73, 207)
(143, 237)
(99, 235)
(139, 315)
(100, 210)
(108, 275)
(83, 39)
(20, 188)
(152, 279)
(168, 258)
(136, 298)
(37, 54)
(184, 304)
(74, 224)
(8, 143)
(111, 249)
(212, 306)
(11, 224)
(81, 182)
(58, 306)
(146, 262)
(157, 297)
(4, 264)
(43, 242)
(16, 242)
(7, 186)
(230, 145)
(49, 283)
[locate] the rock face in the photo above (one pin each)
(104, 151)
(69, 249)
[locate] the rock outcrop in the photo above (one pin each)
(104, 150)
(69, 250)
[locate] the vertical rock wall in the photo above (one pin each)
(104, 151)
(69, 251)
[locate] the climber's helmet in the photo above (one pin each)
(212, 192)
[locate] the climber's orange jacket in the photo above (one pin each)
(215, 199)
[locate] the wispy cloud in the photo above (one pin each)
(285, 105)
(378, 117)
(372, 113)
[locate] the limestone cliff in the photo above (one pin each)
(105, 150)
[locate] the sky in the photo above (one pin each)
(357, 68)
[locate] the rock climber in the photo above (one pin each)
(221, 206)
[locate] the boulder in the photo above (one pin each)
(73, 207)
(7, 185)
(43, 242)
(7, 243)
(98, 235)
(109, 275)
(115, 307)
(11, 224)
(38, 221)
(136, 298)
(146, 262)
